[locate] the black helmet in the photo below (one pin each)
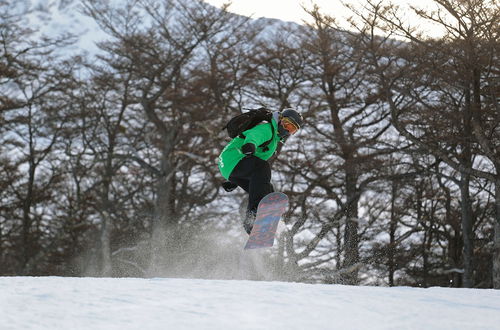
(294, 116)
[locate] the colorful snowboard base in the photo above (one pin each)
(269, 212)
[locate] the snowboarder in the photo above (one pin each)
(243, 162)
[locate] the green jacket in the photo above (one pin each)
(231, 154)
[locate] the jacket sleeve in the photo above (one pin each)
(258, 134)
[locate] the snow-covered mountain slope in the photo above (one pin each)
(162, 303)
(54, 18)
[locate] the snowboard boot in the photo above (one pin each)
(248, 221)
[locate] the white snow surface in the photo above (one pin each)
(169, 303)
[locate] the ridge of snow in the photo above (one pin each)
(165, 303)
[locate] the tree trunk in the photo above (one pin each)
(466, 209)
(467, 232)
(163, 221)
(496, 251)
(425, 259)
(106, 265)
(392, 236)
(27, 237)
(351, 267)
(106, 210)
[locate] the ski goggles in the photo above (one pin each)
(290, 125)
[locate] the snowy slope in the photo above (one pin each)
(161, 303)
(53, 18)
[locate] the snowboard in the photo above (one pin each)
(269, 212)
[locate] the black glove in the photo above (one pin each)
(248, 149)
(229, 186)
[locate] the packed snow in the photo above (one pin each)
(168, 303)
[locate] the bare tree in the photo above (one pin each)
(165, 55)
(33, 85)
(345, 127)
(442, 80)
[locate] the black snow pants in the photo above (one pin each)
(254, 176)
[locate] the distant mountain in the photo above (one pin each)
(55, 17)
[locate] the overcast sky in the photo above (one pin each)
(287, 10)
(291, 10)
